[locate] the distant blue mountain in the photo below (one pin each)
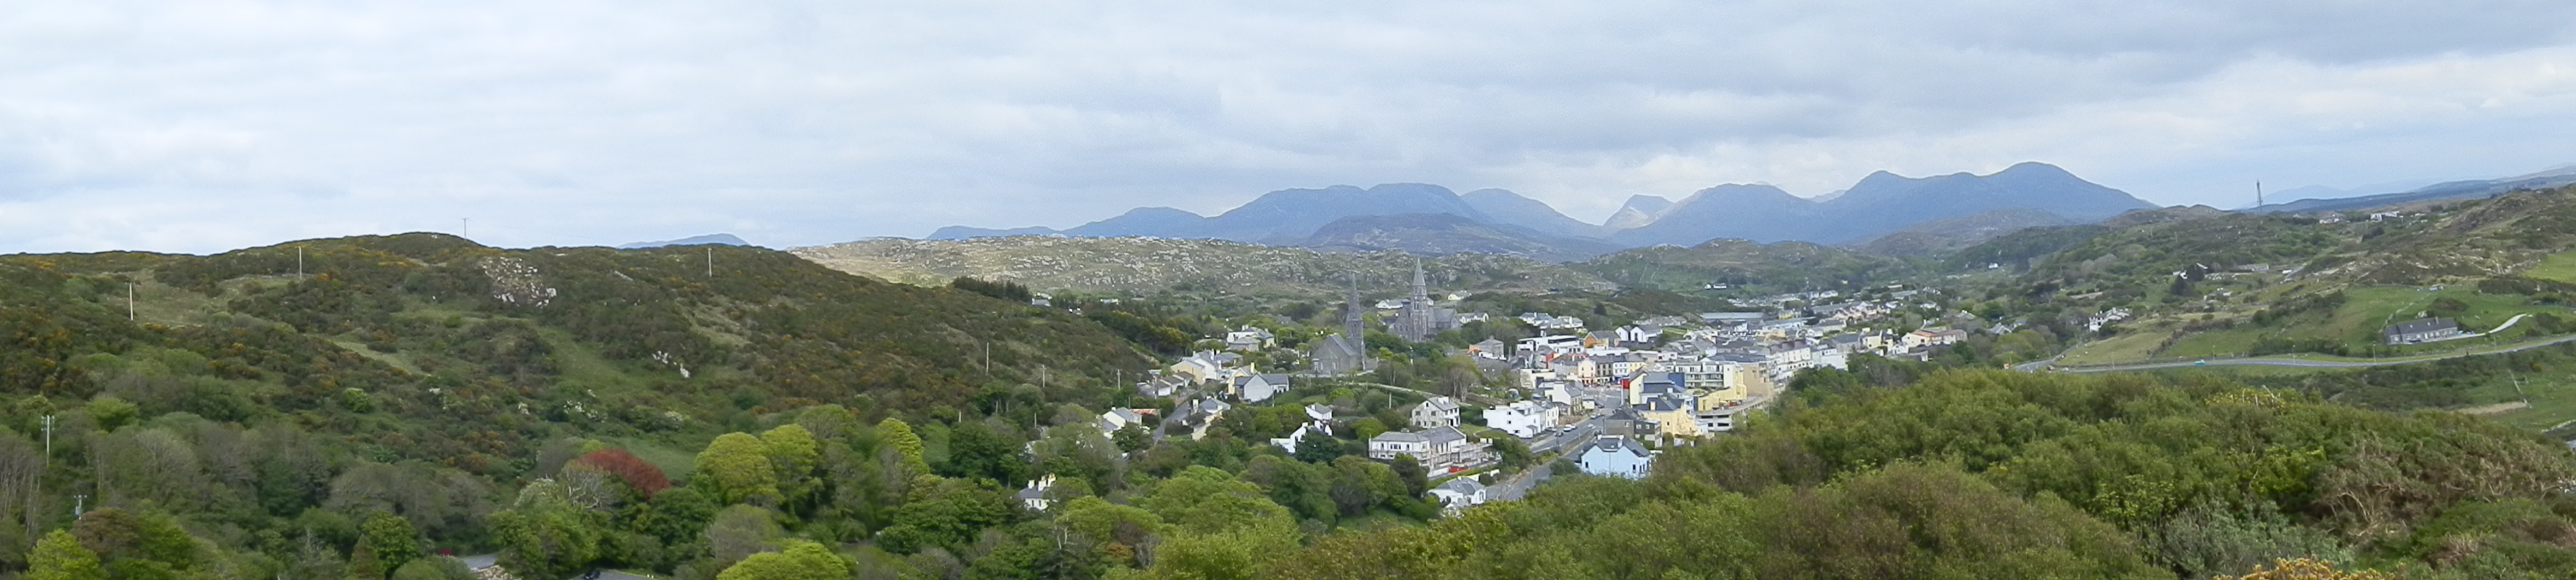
(717, 239)
(1880, 204)
(2465, 189)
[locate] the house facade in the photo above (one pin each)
(1435, 413)
(1615, 457)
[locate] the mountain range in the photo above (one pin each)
(2463, 189)
(1424, 218)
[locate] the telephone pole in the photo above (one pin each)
(467, 229)
(129, 302)
(711, 263)
(2258, 193)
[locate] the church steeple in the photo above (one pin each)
(1421, 290)
(1351, 313)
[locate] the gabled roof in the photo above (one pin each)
(2423, 325)
(1442, 404)
(1463, 486)
(1399, 437)
(1619, 445)
(1443, 435)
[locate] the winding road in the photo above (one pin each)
(2291, 362)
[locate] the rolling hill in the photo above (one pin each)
(1144, 266)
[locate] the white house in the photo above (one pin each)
(1524, 419)
(1439, 450)
(1034, 496)
(1114, 419)
(1258, 388)
(1249, 339)
(1435, 413)
(1615, 457)
(1460, 493)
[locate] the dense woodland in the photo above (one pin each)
(344, 408)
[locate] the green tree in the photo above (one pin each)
(391, 540)
(60, 557)
(793, 454)
(544, 536)
(737, 468)
(1133, 437)
(802, 560)
(898, 435)
(439, 568)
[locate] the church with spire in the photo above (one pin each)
(1421, 318)
(1347, 352)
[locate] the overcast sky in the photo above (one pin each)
(206, 125)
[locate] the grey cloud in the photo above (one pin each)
(795, 122)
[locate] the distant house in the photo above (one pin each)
(1115, 419)
(1523, 419)
(1615, 457)
(1490, 348)
(1442, 450)
(1435, 413)
(1199, 415)
(1161, 386)
(2420, 331)
(1249, 339)
(1460, 493)
(1258, 388)
(1034, 497)
(1624, 421)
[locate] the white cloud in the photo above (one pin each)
(202, 126)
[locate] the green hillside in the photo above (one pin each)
(270, 414)
(1151, 266)
(2002, 475)
(1779, 267)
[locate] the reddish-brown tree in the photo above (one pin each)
(638, 474)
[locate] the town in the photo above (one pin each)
(1602, 401)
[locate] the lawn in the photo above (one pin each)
(2560, 267)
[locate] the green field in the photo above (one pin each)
(2131, 346)
(2559, 267)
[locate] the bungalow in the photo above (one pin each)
(1161, 386)
(1459, 493)
(1249, 339)
(2420, 331)
(1615, 457)
(1258, 388)
(1116, 419)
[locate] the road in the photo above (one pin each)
(2294, 362)
(1518, 486)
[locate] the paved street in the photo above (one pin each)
(2296, 362)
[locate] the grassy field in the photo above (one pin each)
(2219, 343)
(2560, 267)
(2133, 345)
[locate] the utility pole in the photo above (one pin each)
(711, 263)
(80, 503)
(2258, 193)
(299, 262)
(467, 229)
(129, 302)
(49, 438)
